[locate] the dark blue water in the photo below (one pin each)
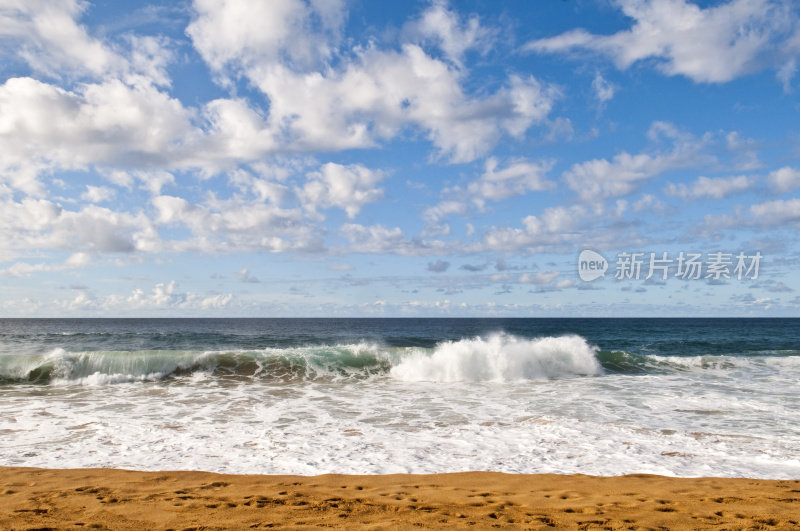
(666, 337)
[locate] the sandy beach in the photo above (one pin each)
(118, 499)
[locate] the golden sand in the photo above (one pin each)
(118, 499)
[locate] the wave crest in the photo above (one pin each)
(102, 367)
(500, 358)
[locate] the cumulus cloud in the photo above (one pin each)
(373, 93)
(263, 183)
(443, 27)
(373, 239)
(777, 212)
(346, 187)
(555, 225)
(233, 225)
(709, 45)
(518, 177)
(164, 296)
(601, 178)
(784, 179)
(780, 213)
(382, 239)
(35, 21)
(167, 296)
(246, 34)
(97, 194)
(41, 224)
(705, 187)
(44, 127)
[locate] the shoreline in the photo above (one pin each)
(125, 499)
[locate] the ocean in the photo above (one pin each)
(678, 397)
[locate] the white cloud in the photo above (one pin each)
(120, 123)
(263, 186)
(380, 92)
(245, 276)
(442, 26)
(44, 127)
(233, 225)
(443, 209)
(164, 296)
(234, 132)
(786, 74)
(705, 187)
(97, 194)
(649, 203)
(373, 239)
(560, 128)
(602, 178)
(50, 39)
(371, 94)
(346, 187)
(150, 57)
(784, 179)
(246, 34)
(715, 44)
(78, 260)
(603, 90)
(519, 177)
(554, 225)
(777, 212)
(745, 150)
(24, 269)
(381, 239)
(151, 180)
(41, 224)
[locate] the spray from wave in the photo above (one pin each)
(501, 358)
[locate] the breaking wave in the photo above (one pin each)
(495, 358)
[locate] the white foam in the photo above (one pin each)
(501, 358)
(618, 424)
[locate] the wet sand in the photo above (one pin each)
(118, 499)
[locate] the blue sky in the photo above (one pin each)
(333, 158)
